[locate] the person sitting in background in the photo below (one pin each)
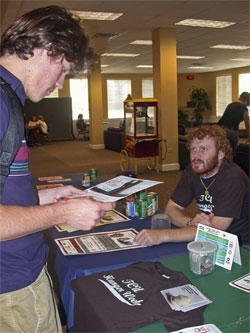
(32, 131)
(235, 113)
(43, 127)
(220, 187)
(81, 126)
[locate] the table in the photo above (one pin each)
(229, 310)
(66, 268)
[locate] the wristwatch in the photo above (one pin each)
(189, 222)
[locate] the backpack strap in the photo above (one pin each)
(14, 134)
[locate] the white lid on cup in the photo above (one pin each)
(202, 247)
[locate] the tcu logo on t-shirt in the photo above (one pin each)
(205, 203)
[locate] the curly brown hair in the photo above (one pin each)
(211, 131)
(52, 28)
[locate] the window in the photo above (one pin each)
(223, 93)
(117, 91)
(244, 80)
(80, 97)
(244, 84)
(147, 88)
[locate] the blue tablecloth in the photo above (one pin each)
(68, 268)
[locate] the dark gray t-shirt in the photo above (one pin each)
(233, 115)
(228, 196)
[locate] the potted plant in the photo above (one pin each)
(200, 101)
(183, 121)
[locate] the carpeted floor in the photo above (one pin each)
(64, 157)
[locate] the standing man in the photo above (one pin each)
(36, 53)
(220, 187)
(235, 113)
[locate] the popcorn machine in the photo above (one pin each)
(141, 139)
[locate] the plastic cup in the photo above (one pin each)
(202, 257)
(160, 221)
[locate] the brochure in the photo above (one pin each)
(207, 328)
(43, 187)
(98, 242)
(112, 216)
(185, 298)
(242, 283)
(115, 189)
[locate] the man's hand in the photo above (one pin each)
(81, 213)
(148, 237)
(51, 195)
(203, 219)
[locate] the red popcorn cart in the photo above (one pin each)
(141, 139)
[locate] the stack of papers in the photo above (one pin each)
(185, 298)
(242, 283)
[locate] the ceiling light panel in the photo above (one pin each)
(189, 57)
(230, 47)
(200, 67)
(103, 16)
(142, 42)
(144, 66)
(120, 55)
(240, 59)
(205, 23)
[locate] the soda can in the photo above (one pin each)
(130, 208)
(93, 175)
(150, 204)
(130, 198)
(142, 195)
(85, 180)
(142, 209)
(155, 206)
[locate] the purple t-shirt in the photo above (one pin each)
(21, 259)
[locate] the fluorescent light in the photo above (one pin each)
(189, 57)
(120, 55)
(205, 23)
(200, 67)
(105, 16)
(103, 66)
(240, 59)
(230, 47)
(144, 66)
(142, 42)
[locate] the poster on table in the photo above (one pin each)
(98, 242)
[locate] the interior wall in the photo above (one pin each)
(184, 86)
(208, 82)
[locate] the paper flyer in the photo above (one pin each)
(46, 186)
(242, 283)
(98, 242)
(112, 216)
(185, 298)
(116, 189)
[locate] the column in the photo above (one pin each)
(96, 107)
(165, 90)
